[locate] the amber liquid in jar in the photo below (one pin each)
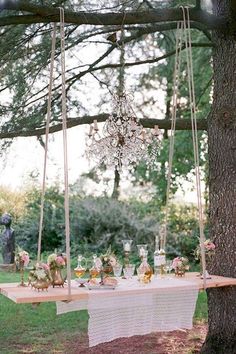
(147, 275)
(79, 272)
(94, 273)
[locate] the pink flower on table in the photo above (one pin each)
(180, 263)
(176, 262)
(25, 259)
(45, 266)
(60, 261)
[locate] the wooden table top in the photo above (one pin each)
(29, 295)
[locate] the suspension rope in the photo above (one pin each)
(194, 135)
(184, 27)
(64, 129)
(176, 77)
(46, 141)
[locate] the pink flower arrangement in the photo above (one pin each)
(209, 245)
(25, 258)
(45, 266)
(22, 258)
(56, 261)
(209, 249)
(180, 263)
(60, 261)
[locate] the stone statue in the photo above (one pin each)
(8, 240)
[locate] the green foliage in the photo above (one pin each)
(27, 228)
(183, 231)
(100, 222)
(183, 160)
(97, 223)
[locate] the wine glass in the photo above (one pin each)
(117, 270)
(81, 269)
(128, 271)
(168, 266)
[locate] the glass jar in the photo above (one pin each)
(95, 270)
(144, 271)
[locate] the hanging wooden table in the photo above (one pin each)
(22, 295)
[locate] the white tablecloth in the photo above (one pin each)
(162, 305)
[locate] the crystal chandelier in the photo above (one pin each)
(123, 141)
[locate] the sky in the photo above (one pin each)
(26, 157)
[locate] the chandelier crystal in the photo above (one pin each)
(123, 141)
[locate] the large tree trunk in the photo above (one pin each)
(221, 337)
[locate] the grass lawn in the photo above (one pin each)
(24, 329)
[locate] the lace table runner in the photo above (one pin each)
(162, 305)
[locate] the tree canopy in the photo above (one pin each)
(92, 60)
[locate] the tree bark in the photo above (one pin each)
(221, 337)
(116, 185)
(181, 124)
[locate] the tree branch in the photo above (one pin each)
(51, 14)
(181, 124)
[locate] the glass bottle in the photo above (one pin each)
(81, 266)
(156, 257)
(162, 257)
(159, 259)
(94, 271)
(144, 271)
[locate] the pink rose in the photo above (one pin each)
(176, 262)
(60, 261)
(25, 259)
(45, 266)
(209, 246)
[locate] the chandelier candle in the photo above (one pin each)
(127, 249)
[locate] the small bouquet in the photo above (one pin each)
(21, 259)
(180, 265)
(56, 261)
(108, 260)
(209, 249)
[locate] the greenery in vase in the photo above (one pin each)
(40, 271)
(108, 259)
